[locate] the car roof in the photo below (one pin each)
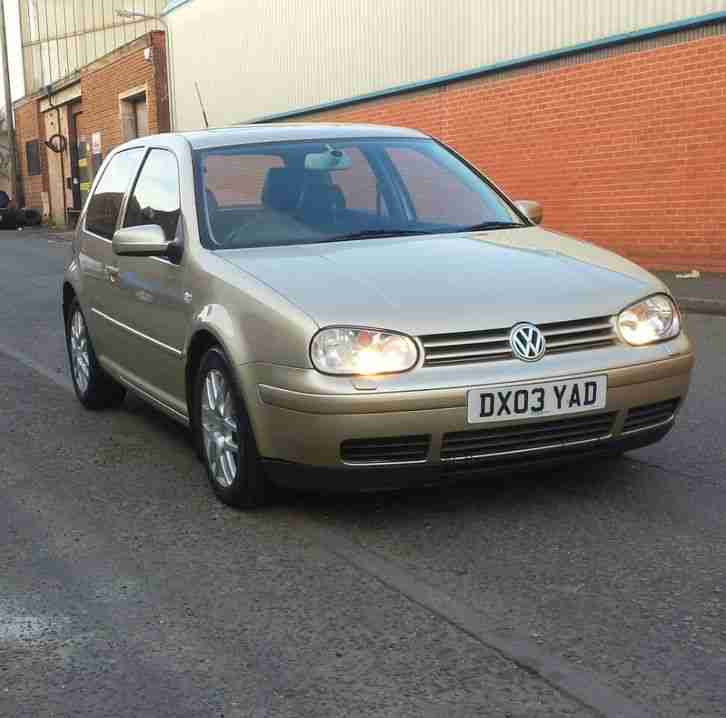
(290, 131)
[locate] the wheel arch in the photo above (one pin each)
(69, 294)
(202, 340)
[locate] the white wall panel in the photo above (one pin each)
(259, 57)
(60, 36)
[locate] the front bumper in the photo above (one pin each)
(301, 417)
(301, 476)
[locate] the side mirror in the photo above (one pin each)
(146, 240)
(532, 210)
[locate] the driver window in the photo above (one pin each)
(437, 195)
(155, 199)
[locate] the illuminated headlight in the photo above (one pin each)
(348, 350)
(652, 320)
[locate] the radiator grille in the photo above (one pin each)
(543, 435)
(493, 344)
(388, 450)
(650, 415)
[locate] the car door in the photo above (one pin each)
(151, 299)
(96, 257)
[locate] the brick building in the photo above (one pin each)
(626, 151)
(32, 165)
(611, 114)
(64, 131)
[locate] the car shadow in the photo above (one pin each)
(513, 490)
(148, 418)
(507, 491)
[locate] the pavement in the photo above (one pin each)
(701, 292)
(126, 589)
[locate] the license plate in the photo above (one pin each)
(528, 401)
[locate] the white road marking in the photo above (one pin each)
(29, 362)
(23, 627)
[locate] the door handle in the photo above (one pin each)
(112, 273)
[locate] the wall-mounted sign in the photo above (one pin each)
(96, 143)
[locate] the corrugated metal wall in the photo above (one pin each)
(261, 57)
(61, 36)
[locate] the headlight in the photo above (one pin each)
(651, 320)
(347, 350)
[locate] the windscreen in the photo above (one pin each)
(325, 191)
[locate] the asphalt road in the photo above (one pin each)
(126, 589)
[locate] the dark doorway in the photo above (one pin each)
(76, 156)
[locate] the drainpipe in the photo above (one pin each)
(9, 117)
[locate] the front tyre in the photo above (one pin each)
(228, 444)
(94, 388)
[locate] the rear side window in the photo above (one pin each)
(155, 199)
(105, 204)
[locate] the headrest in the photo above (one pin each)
(320, 201)
(282, 188)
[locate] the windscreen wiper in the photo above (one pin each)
(373, 233)
(491, 225)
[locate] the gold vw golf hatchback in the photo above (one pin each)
(349, 306)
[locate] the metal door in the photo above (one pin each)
(141, 117)
(78, 154)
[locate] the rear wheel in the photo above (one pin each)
(94, 388)
(229, 450)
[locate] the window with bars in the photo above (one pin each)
(32, 157)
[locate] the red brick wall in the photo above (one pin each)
(28, 127)
(628, 152)
(103, 82)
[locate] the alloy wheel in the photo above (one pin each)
(219, 428)
(80, 357)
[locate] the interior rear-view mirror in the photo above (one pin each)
(329, 160)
